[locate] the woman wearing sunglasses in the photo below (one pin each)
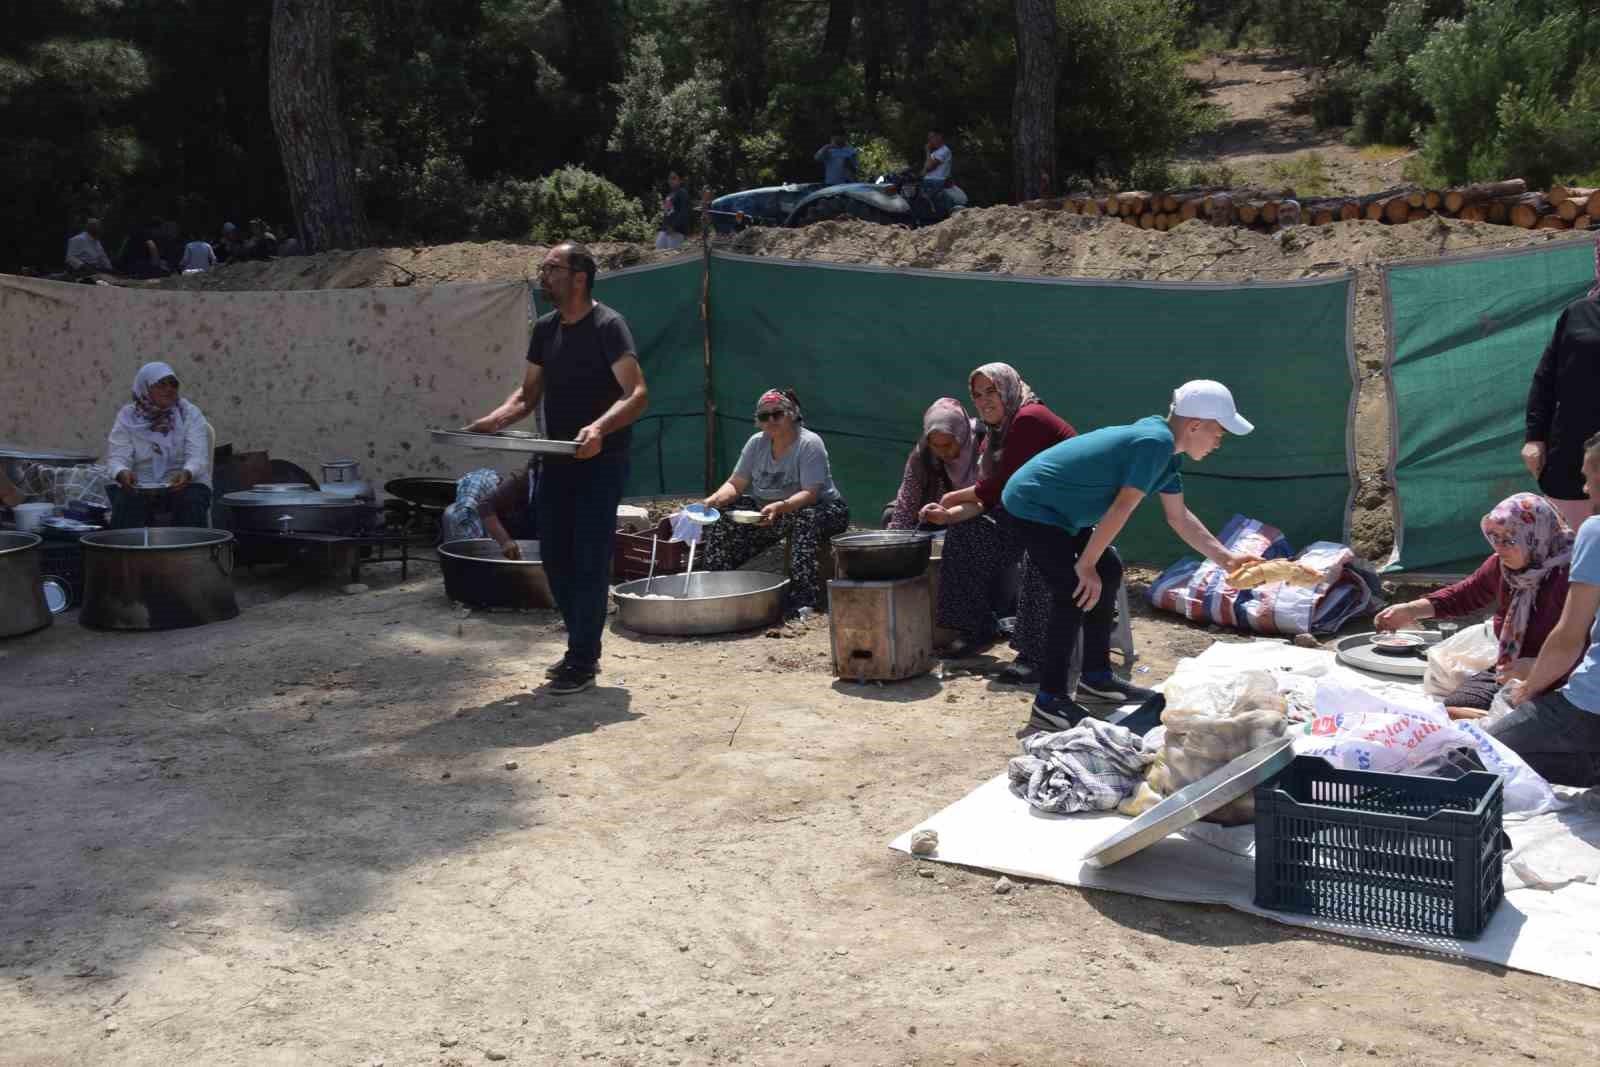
(160, 439)
(783, 473)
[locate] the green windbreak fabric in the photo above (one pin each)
(869, 349)
(662, 306)
(1464, 337)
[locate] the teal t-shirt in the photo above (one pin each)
(1072, 484)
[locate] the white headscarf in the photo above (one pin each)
(163, 428)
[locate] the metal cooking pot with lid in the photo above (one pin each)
(881, 555)
(297, 512)
(157, 579)
(22, 604)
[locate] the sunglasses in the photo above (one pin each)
(763, 416)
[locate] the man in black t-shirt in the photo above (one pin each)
(582, 362)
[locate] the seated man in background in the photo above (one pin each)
(85, 253)
(1557, 730)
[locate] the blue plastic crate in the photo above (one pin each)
(1392, 851)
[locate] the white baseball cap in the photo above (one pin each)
(1206, 399)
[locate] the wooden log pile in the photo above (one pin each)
(1506, 203)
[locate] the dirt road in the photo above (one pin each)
(342, 830)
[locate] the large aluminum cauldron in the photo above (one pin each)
(157, 578)
(22, 605)
(476, 572)
(297, 512)
(705, 602)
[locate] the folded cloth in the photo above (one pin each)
(1090, 767)
(686, 529)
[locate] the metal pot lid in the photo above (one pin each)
(249, 498)
(880, 539)
(12, 450)
(328, 464)
(1195, 801)
(56, 596)
(280, 487)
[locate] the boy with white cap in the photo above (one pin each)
(1069, 502)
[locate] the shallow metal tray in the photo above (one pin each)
(1195, 801)
(1358, 651)
(504, 441)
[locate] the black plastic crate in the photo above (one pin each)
(1392, 851)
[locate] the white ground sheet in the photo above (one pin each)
(1549, 922)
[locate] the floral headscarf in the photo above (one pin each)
(1529, 522)
(1014, 393)
(146, 413)
(946, 415)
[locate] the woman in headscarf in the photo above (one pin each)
(159, 454)
(943, 460)
(1525, 579)
(1564, 405)
(783, 473)
(980, 546)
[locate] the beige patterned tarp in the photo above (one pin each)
(307, 375)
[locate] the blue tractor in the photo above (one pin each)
(899, 200)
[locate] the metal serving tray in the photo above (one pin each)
(504, 441)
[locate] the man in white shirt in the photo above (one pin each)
(85, 252)
(936, 169)
(197, 256)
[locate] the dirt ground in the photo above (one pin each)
(1265, 123)
(348, 830)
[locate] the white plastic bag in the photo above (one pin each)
(1400, 733)
(1457, 658)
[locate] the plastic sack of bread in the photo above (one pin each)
(1211, 719)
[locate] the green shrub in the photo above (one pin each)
(1514, 89)
(1307, 175)
(574, 204)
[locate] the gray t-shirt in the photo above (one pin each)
(805, 466)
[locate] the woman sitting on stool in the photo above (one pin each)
(783, 473)
(942, 461)
(1526, 581)
(162, 439)
(981, 546)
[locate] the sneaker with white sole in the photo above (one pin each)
(1115, 691)
(1056, 713)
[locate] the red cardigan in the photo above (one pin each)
(1034, 429)
(1482, 588)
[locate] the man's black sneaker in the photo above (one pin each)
(1115, 691)
(555, 668)
(1056, 713)
(572, 679)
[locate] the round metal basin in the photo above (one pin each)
(476, 572)
(706, 602)
(162, 578)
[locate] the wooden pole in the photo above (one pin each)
(705, 319)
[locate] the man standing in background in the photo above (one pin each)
(674, 214)
(838, 159)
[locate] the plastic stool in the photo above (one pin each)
(1121, 640)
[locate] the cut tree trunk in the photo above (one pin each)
(1433, 199)
(316, 153)
(1572, 202)
(1456, 199)
(1552, 222)
(1528, 209)
(1033, 104)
